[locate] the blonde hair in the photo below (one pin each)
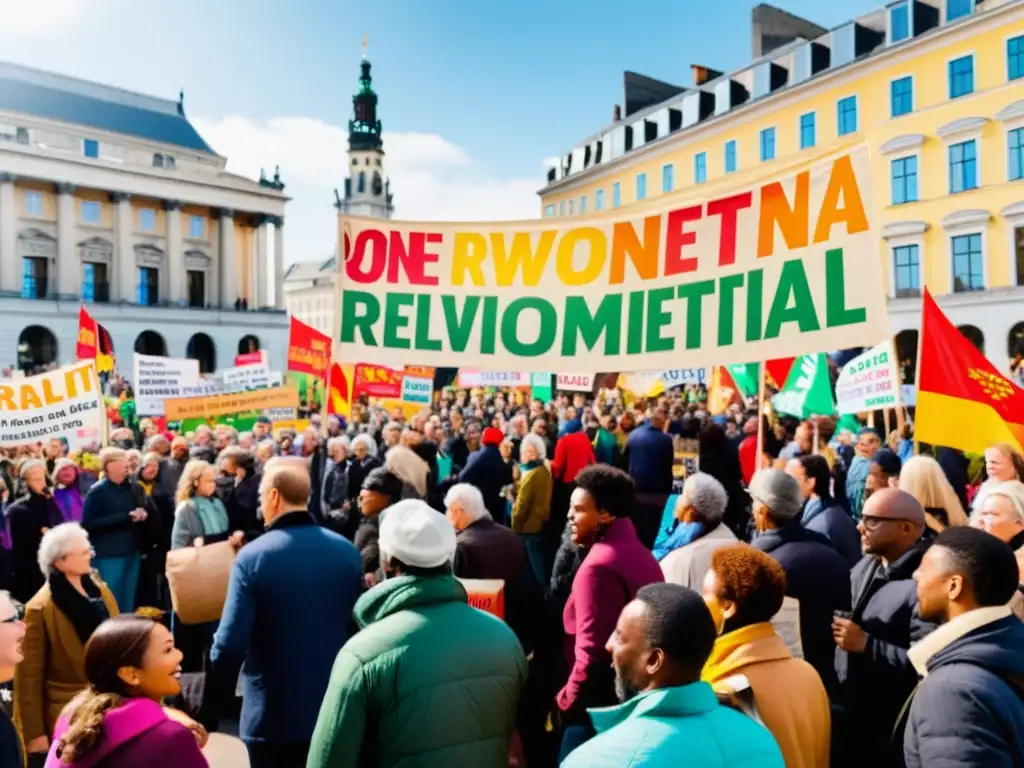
(923, 478)
(1010, 453)
(190, 478)
(110, 455)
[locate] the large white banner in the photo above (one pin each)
(869, 381)
(155, 379)
(65, 403)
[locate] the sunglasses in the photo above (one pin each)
(19, 613)
(871, 522)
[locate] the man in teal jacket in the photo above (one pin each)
(429, 680)
(668, 717)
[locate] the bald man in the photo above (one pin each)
(875, 675)
(293, 588)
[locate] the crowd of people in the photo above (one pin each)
(830, 597)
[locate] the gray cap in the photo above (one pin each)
(779, 492)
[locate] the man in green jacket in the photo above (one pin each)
(429, 680)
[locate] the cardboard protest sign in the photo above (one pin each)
(156, 378)
(216, 405)
(869, 381)
(64, 403)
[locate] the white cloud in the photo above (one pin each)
(41, 18)
(431, 178)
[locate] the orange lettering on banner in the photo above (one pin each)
(180, 408)
(34, 394)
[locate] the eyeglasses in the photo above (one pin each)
(871, 522)
(19, 613)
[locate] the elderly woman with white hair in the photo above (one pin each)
(363, 450)
(532, 506)
(1002, 514)
(59, 621)
(816, 574)
(696, 532)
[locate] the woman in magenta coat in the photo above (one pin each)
(118, 722)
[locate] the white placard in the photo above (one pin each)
(575, 382)
(869, 381)
(245, 378)
(677, 377)
(65, 403)
(416, 389)
(469, 379)
(155, 379)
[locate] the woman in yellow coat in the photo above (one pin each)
(745, 588)
(59, 620)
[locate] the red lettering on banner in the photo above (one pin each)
(676, 238)
(377, 244)
(412, 259)
(728, 208)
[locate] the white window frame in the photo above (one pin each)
(959, 136)
(904, 156)
(974, 72)
(944, 12)
(81, 213)
(33, 194)
(856, 111)
(1012, 118)
(888, 23)
(958, 229)
(1006, 54)
(800, 130)
(1013, 215)
(192, 217)
(897, 235)
(913, 94)
(142, 221)
(663, 167)
(775, 144)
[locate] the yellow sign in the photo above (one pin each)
(180, 408)
(298, 426)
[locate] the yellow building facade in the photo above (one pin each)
(940, 103)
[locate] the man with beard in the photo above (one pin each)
(660, 645)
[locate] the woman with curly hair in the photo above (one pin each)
(745, 588)
(117, 722)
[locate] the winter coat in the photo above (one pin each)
(136, 733)
(826, 517)
(968, 711)
(532, 507)
(656, 728)
(366, 543)
(28, 517)
(819, 578)
(688, 564)
(489, 473)
(105, 515)
(428, 681)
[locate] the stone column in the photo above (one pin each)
(279, 262)
(122, 281)
(228, 268)
(259, 271)
(10, 268)
(175, 255)
(68, 272)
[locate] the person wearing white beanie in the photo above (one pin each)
(439, 679)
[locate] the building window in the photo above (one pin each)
(963, 166)
(961, 76)
(158, 161)
(957, 9)
(95, 286)
(91, 212)
(807, 131)
(641, 186)
(572, 207)
(700, 167)
(907, 271)
(147, 290)
(1018, 252)
(1015, 58)
(196, 288)
(147, 219)
(583, 204)
(767, 143)
(549, 211)
(899, 22)
(91, 148)
(901, 96)
(616, 195)
(561, 208)
(33, 278)
(197, 227)
(968, 267)
(730, 156)
(33, 203)
(846, 115)
(668, 177)
(904, 180)
(1015, 147)
(599, 200)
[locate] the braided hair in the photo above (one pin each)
(118, 642)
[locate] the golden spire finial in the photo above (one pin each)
(364, 46)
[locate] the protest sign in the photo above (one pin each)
(575, 382)
(677, 377)
(251, 358)
(808, 389)
(377, 381)
(202, 388)
(64, 403)
(244, 378)
(471, 379)
(309, 351)
(155, 379)
(869, 381)
(728, 275)
(216, 405)
(417, 390)
(540, 387)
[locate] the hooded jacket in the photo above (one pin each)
(968, 711)
(826, 517)
(428, 681)
(134, 734)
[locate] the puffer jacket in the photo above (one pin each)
(438, 680)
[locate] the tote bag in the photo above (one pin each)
(198, 580)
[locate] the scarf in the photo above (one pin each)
(526, 466)
(69, 500)
(720, 663)
(85, 612)
(679, 535)
(212, 515)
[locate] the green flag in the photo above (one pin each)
(540, 386)
(808, 390)
(745, 377)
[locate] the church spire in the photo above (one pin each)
(364, 129)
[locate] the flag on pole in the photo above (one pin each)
(962, 400)
(808, 390)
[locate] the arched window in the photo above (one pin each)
(906, 352)
(248, 344)
(974, 335)
(378, 184)
(202, 349)
(361, 182)
(151, 343)
(37, 348)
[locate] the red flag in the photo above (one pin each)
(88, 345)
(309, 351)
(339, 399)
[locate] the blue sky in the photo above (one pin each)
(474, 94)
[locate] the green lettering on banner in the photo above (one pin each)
(635, 324)
(395, 320)
(755, 303)
(489, 325)
(423, 340)
(792, 286)
(548, 326)
(580, 322)
(727, 307)
(836, 313)
(352, 319)
(694, 294)
(657, 319)
(459, 326)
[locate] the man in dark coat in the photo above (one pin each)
(487, 470)
(968, 709)
(875, 674)
(649, 457)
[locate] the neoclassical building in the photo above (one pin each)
(112, 200)
(309, 285)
